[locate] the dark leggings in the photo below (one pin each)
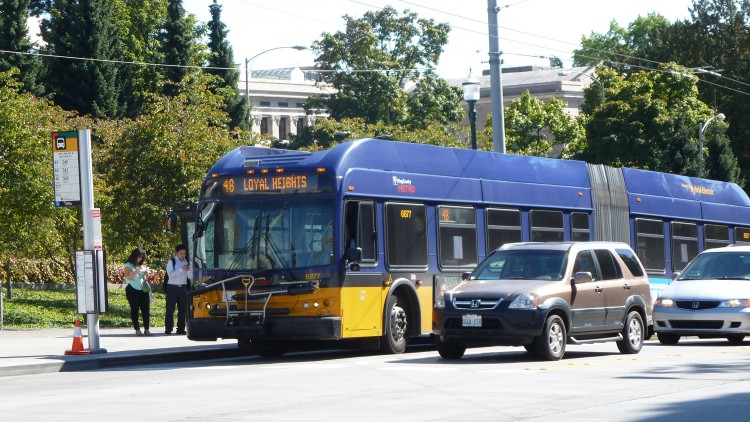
(138, 299)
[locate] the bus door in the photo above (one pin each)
(182, 217)
(363, 290)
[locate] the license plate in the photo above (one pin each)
(472, 321)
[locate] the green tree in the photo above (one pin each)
(650, 121)
(371, 62)
(327, 133)
(221, 56)
(156, 159)
(644, 36)
(85, 30)
(39, 230)
(14, 37)
(715, 37)
(141, 23)
(178, 46)
(533, 127)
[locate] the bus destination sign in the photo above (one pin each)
(274, 184)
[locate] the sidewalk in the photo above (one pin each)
(24, 352)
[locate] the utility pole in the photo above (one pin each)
(496, 79)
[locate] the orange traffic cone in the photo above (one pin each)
(77, 342)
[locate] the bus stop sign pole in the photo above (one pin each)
(89, 230)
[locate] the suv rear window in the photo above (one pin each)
(630, 261)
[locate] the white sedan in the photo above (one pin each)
(710, 299)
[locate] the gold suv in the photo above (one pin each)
(543, 296)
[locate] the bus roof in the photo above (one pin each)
(464, 174)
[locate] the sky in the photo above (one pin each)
(528, 28)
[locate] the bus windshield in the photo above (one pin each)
(268, 234)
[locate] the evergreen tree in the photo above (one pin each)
(143, 20)
(221, 56)
(85, 30)
(14, 37)
(178, 40)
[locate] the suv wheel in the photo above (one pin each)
(667, 338)
(551, 344)
(632, 334)
(450, 350)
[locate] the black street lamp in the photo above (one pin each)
(471, 95)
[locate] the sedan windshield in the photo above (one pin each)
(271, 234)
(724, 265)
(522, 264)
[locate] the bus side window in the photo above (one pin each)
(361, 229)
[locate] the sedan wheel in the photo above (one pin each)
(668, 339)
(736, 339)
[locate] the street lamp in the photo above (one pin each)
(248, 61)
(701, 131)
(471, 95)
(601, 84)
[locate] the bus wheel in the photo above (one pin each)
(269, 349)
(394, 338)
(266, 349)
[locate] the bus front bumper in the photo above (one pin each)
(287, 328)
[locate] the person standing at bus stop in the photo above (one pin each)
(137, 290)
(176, 288)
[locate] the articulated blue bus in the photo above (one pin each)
(359, 241)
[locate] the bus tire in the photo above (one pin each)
(266, 349)
(396, 325)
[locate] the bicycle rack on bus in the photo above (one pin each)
(265, 295)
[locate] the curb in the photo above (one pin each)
(120, 359)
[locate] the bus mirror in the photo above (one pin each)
(200, 227)
(171, 223)
(354, 255)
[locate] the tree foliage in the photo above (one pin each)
(157, 159)
(533, 127)
(84, 30)
(372, 61)
(178, 46)
(650, 120)
(33, 227)
(141, 23)
(327, 133)
(14, 37)
(222, 57)
(714, 41)
(644, 36)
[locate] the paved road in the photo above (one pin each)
(695, 381)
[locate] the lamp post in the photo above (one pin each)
(471, 95)
(593, 78)
(701, 131)
(248, 61)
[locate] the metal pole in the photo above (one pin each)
(8, 272)
(473, 123)
(247, 90)
(496, 79)
(87, 208)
